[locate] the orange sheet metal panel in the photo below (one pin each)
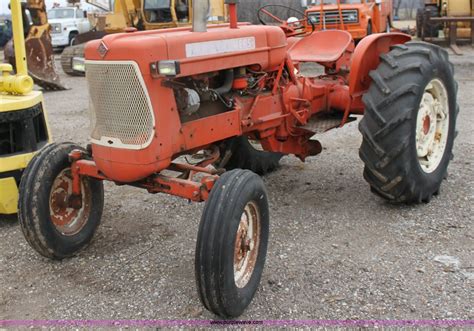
(211, 129)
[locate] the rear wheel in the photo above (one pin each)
(232, 243)
(239, 153)
(409, 124)
(51, 225)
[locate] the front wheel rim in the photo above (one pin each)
(67, 220)
(432, 126)
(247, 244)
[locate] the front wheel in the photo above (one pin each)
(50, 224)
(409, 123)
(232, 243)
(72, 38)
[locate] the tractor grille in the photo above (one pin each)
(331, 17)
(121, 111)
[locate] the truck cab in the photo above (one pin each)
(359, 17)
(66, 23)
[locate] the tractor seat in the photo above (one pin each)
(321, 46)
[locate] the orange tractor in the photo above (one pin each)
(205, 92)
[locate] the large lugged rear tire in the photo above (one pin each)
(50, 225)
(409, 124)
(232, 243)
(245, 156)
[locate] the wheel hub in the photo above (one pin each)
(432, 127)
(65, 218)
(246, 245)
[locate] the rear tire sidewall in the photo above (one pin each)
(241, 297)
(431, 181)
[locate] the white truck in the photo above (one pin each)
(66, 23)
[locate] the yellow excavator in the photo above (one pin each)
(23, 121)
(39, 50)
(139, 14)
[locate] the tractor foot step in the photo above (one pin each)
(321, 125)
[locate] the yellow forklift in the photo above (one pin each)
(23, 121)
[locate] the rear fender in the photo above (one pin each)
(367, 58)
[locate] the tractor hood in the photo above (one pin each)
(217, 49)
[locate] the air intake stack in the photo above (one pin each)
(200, 15)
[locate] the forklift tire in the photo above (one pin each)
(229, 257)
(53, 228)
(409, 124)
(245, 156)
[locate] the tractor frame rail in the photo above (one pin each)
(185, 185)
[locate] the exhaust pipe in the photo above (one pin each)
(200, 15)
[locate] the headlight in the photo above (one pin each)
(78, 64)
(352, 17)
(56, 28)
(169, 68)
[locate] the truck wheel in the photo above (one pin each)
(232, 243)
(245, 156)
(409, 124)
(72, 37)
(52, 227)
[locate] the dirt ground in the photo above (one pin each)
(336, 251)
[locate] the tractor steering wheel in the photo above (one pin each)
(291, 29)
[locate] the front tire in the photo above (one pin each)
(50, 225)
(232, 243)
(409, 124)
(72, 37)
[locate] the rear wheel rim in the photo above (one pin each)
(67, 220)
(432, 126)
(247, 244)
